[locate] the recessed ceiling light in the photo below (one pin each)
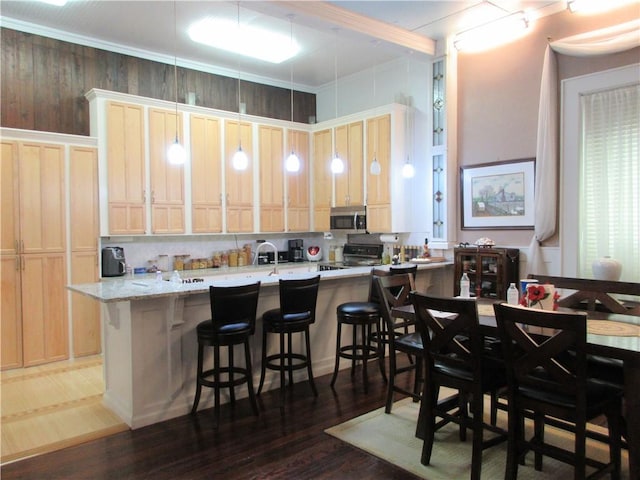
(244, 40)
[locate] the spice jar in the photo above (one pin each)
(233, 258)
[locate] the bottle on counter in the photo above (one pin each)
(175, 278)
(158, 275)
(512, 295)
(465, 284)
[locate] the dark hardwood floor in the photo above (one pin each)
(293, 446)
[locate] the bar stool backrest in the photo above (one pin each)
(299, 297)
(234, 305)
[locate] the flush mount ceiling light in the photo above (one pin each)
(492, 34)
(244, 40)
(176, 153)
(595, 6)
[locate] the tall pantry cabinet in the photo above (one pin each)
(49, 187)
(35, 323)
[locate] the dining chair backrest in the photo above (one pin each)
(298, 297)
(412, 270)
(393, 291)
(541, 362)
(234, 305)
(450, 332)
(373, 290)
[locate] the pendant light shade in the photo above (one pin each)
(240, 161)
(408, 170)
(375, 169)
(337, 165)
(176, 154)
(292, 163)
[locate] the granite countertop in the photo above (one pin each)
(145, 286)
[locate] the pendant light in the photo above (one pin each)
(176, 153)
(337, 165)
(240, 161)
(375, 168)
(408, 170)
(292, 163)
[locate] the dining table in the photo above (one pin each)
(610, 335)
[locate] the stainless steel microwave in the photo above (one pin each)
(351, 219)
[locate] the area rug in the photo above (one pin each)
(392, 438)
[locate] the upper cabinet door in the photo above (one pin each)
(167, 180)
(83, 194)
(239, 183)
(322, 179)
(298, 183)
(271, 144)
(8, 191)
(379, 147)
(349, 147)
(42, 198)
(206, 175)
(126, 168)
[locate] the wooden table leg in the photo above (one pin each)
(632, 413)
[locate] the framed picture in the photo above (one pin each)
(498, 195)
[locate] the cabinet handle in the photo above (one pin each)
(153, 200)
(17, 264)
(22, 263)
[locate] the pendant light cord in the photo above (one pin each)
(239, 137)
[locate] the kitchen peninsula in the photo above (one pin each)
(149, 340)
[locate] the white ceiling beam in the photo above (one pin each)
(359, 23)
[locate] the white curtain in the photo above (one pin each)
(600, 42)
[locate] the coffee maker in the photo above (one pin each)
(296, 250)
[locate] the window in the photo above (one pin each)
(609, 203)
(600, 199)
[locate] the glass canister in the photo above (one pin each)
(332, 253)
(233, 258)
(217, 260)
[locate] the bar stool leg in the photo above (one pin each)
(366, 329)
(263, 367)
(252, 395)
(216, 379)
(232, 388)
(283, 359)
(354, 345)
(196, 399)
(335, 369)
(309, 371)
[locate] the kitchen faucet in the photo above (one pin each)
(275, 256)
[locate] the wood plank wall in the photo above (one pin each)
(44, 82)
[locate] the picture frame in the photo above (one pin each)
(498, 195)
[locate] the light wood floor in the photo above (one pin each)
(53, 406)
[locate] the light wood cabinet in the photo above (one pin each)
(11, 311)
(167, 180)
(84, 228)
(239, 184)
(349, 185)
(298, 183)
(126, 169)
(379, 186)
(322, 179)
(206, 175)
(271, 154)
(34, 300)
(10, 291)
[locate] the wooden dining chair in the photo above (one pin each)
(544, 378)
(456, 358)
(393, 291)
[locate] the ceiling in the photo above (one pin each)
(356, 35)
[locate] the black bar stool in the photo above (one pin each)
(365, 315)
(233, 320)
(297, 312)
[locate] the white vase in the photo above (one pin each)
(606, 268)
